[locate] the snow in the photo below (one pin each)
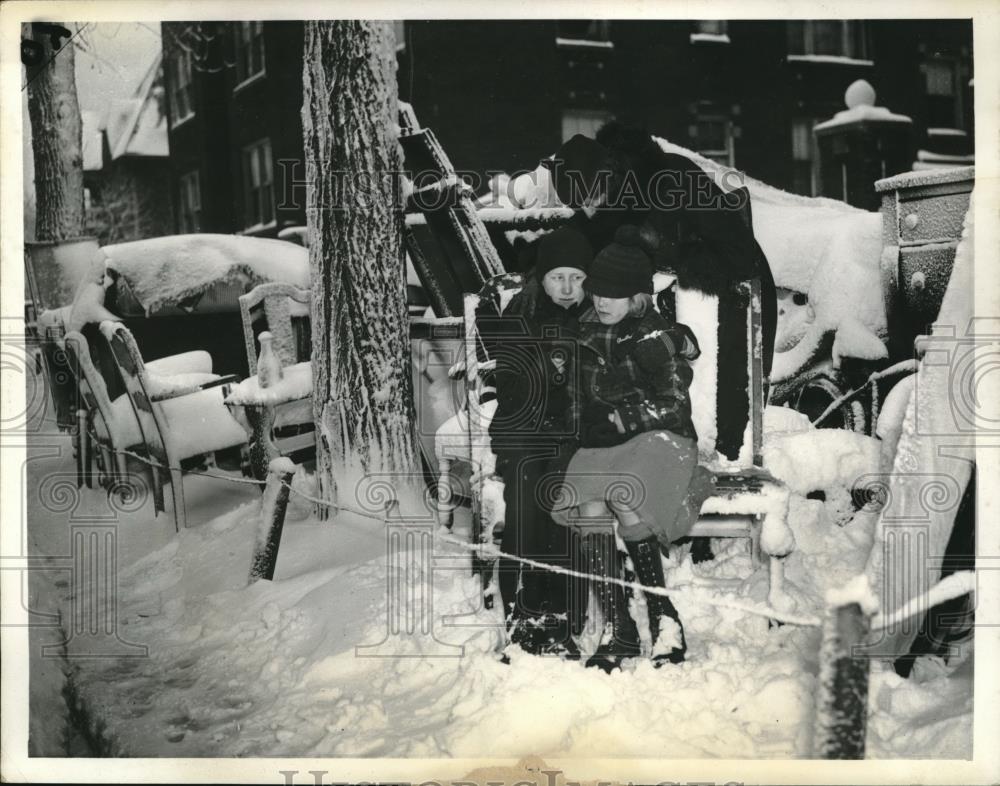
(821, 459)
(167, 269)
(825, 249)
(862, 114)
(857, 590)
(933, 458)
(837, 59)
(296, 383)
(285, 667)
(718, 38)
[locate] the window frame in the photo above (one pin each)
(729, 134)
(854, 49)
(185, 190)
(255, 217)
(243, 46)
(181, 65)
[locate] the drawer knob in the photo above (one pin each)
(918, 281)
(911, 221)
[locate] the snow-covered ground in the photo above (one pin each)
(274, 668)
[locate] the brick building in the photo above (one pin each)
(502, 94)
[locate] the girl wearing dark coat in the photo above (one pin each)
(638, 446)
(688, 226)
(531, 337)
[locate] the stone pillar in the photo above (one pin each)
(860, 145)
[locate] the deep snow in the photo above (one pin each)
(273, 669)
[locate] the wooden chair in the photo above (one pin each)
(179, 417)
(283, 310)
(113, 423)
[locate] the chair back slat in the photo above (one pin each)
(133, 371)
(268, 307)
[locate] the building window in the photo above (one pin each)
(258, 177)
(839, 38)
(190, 202)
(585, 29)
(249, 50)
(943, 95)
(712, 137)
(181, 105)
(710, 30)
(805, 155)
(583, 121)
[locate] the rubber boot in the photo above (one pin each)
(602, 559)
(645, 556)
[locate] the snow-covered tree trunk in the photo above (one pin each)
(362, 389)
(56, 140)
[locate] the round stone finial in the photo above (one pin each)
(859, 93)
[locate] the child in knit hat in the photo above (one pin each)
(638, 450)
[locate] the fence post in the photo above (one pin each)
(842, 698)
(273, 507)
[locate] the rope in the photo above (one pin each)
(683, 590)
(953, 586)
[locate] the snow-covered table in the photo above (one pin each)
(288, 400)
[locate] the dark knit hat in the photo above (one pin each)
(565, 247)
(575, 168)
(621, 269)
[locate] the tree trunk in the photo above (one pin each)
(56, 140)
(362, 388)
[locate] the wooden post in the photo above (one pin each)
(842, 699)
(273, 507)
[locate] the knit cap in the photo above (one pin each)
(564, 247)
(621, 269)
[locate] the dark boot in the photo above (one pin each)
(645, 556)
(602, 559)
(547, 634)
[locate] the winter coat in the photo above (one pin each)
(526, 333)
(638, 369)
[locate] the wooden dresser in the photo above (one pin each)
(922, 215)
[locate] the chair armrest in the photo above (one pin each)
(228, 379)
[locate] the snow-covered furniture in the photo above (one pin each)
(275, 307)
(282, 428)
(463, 437)
(112, 423)
(179, 417)
(274, 414)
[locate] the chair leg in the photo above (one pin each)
(88, 460)
(107, 466)
(755, 553)
(79, 436)
(177, 492)
(445, 506)
(158, 503)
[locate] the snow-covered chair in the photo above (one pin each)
(179, 416)
(283, 310)
(463, 437)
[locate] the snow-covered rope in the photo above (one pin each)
(953, 586)
(683, 590)
(253, 482)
